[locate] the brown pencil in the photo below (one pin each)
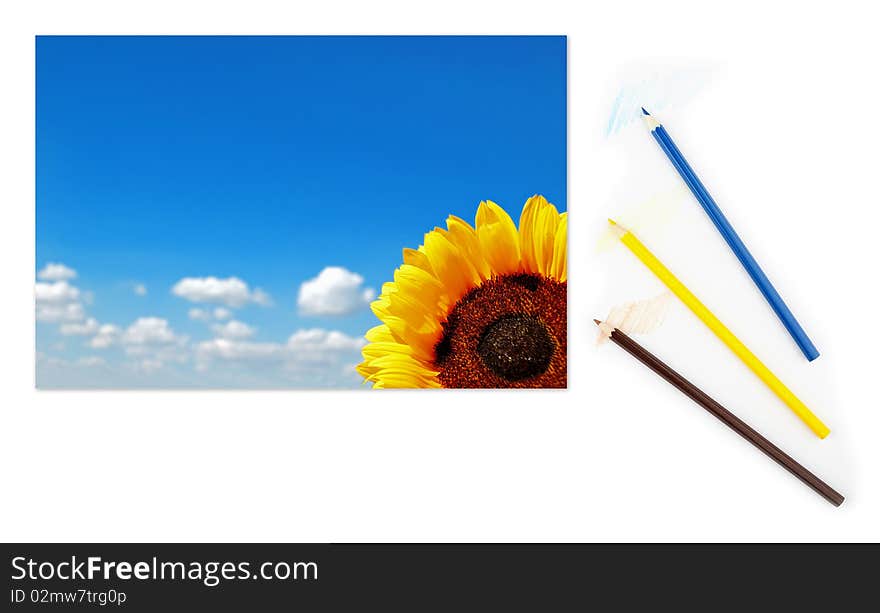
(734, 422)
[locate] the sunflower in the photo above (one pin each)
(481, 306)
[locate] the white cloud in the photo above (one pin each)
(152, 342)
(58, 302)
(318, 341)
(232, 292)
(60, 292)
(335, 291)
(149, 339)
(86, 328)
(221, 313)
(149, 331)
(140, 289)
(54, 271)
(199, 315)
(107, 335)
(57, 313)
(233, 330)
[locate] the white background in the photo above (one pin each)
(784, 135)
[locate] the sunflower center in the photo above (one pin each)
(516, 347)
(508, 332)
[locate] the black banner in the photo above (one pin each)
(414, 577)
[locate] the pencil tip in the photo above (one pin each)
(645, 112)
(597, 322)
(616, 229)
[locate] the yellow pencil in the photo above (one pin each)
(721, 331)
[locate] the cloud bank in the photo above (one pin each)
(150, 352)
(303, 347)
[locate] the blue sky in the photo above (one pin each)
(267, 160)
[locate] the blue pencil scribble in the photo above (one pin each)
(657, 92)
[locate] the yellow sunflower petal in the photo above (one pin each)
(527, 222)
(449, 265)
(387, 289)
(419, 293)
(499, 239)
(397, 370)
(364, 370)
(380, 307)
(419, 316)
(545, 235)
(422, 343)
(402, 363)
(537, 231)
(418, 259)
(559, 269)
(376, 350)
(465, 237)
(379, 334)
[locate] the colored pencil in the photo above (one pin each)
(721, 331)
(731, 420)
(729, 234)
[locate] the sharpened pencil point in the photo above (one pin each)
(650, 120)
(597, 322)
(616, 229)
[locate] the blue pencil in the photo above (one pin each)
(733, 240)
